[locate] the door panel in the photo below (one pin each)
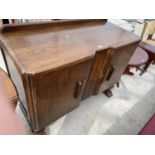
(59, 92)
(119, 60)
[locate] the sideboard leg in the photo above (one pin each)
(146, 67)
(137, 68)
(117, 84)
(108, 93)
(153, 62)
(39, 132)
(128, 72)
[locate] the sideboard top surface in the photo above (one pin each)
(39, 48)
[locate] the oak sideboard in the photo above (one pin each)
(55, 65)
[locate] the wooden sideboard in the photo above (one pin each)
(55, 65)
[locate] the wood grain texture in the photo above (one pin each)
(48, 48)
(108, 66)
(54, 65)
(119, 59)
(55, 91)
(99, 65)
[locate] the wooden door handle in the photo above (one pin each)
(78, 89)
(111, 70)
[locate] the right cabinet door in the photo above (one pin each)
(118, 61)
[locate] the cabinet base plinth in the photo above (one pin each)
(39, 132)
(108, 93)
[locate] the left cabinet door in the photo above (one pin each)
(58, 92)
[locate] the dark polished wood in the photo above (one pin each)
(60, 91)
(56, 24)
(140, 57)
(108, 93)
(39, 132)
(117, 61)
(97, 72)
(55, 65)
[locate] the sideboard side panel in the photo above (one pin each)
(22, 85)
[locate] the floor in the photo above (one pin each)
(123, 114)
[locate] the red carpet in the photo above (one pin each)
(149, 128)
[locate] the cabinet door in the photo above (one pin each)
(117, 63)
(60, 91)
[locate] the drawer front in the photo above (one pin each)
(117, 63)
(60, 91)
